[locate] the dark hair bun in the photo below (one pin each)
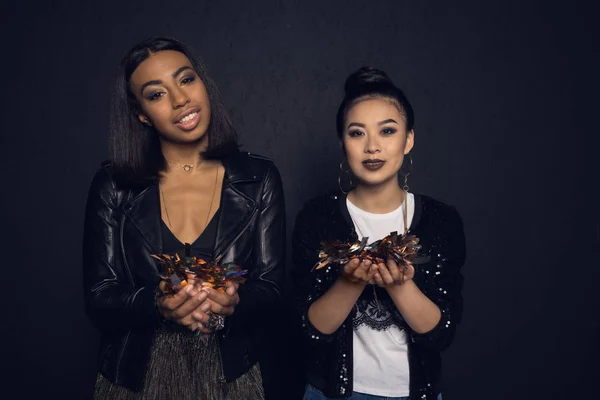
(367, 77)
(370, 82)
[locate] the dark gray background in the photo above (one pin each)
(505, 108)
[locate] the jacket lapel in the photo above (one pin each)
(143, 211)
(237, 207)
(237, 210)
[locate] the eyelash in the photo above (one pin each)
(157, 95)
(384, 131)
(188, 79)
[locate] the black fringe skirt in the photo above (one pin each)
(184, 366)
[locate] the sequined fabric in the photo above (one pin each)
(183, 366)
(329, 357)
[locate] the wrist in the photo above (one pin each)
(347, 282)
(400, 288)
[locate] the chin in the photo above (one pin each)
(183, 138)
(195, 139)
(370, 182)
(375, 180)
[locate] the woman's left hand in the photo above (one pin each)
(217, 305)
(391, 273)
(223, 303)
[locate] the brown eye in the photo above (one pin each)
(155, 96)
(388, 131)
(355, 133)
(188, 79)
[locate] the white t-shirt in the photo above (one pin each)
(380, 349)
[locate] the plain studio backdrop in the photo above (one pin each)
(504, 102)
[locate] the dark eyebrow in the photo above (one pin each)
(386, 121)
(158, 82)
(155, 82)
(180, 70)
(355, 124)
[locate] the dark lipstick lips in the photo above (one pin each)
(373, 165)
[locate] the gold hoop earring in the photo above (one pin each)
(406, 171)
(349, 173)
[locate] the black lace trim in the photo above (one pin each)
(378, 314)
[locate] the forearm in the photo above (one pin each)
(115, 309)
(329, 312)
(421, 314)
(257, 300)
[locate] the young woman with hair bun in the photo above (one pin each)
(376, 330)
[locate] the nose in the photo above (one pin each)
(372, 145)
(179, 98)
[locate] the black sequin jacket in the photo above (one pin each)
(329, 356)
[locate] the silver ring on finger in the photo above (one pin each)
(215, 322)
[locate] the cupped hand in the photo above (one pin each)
(186, 307)
(359, 271)
(392, 273)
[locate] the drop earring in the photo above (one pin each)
(347, 172)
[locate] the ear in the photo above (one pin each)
(410, 141)
(342, 147)
(144, 119)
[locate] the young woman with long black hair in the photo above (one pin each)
(175, 176)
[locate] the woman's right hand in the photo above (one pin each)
(330, 310)
(180, 306)
(359, 271)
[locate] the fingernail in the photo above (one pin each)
(205, 307)
(189, 288)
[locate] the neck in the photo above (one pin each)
(377, 199)
(183, 153)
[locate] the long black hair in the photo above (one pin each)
(134, 148)
(367, 83)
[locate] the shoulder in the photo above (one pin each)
(324, 205)
(441, 218)
(435, 208)
(103, 180)
(322, 218)
(105, 186)
(243, 165)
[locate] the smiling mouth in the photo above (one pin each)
(373, 165)
(188, 118)
(189, 122)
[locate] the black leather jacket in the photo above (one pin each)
(122, 230)
(330, 357)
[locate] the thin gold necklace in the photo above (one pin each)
(212, 199)
(185, 167)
